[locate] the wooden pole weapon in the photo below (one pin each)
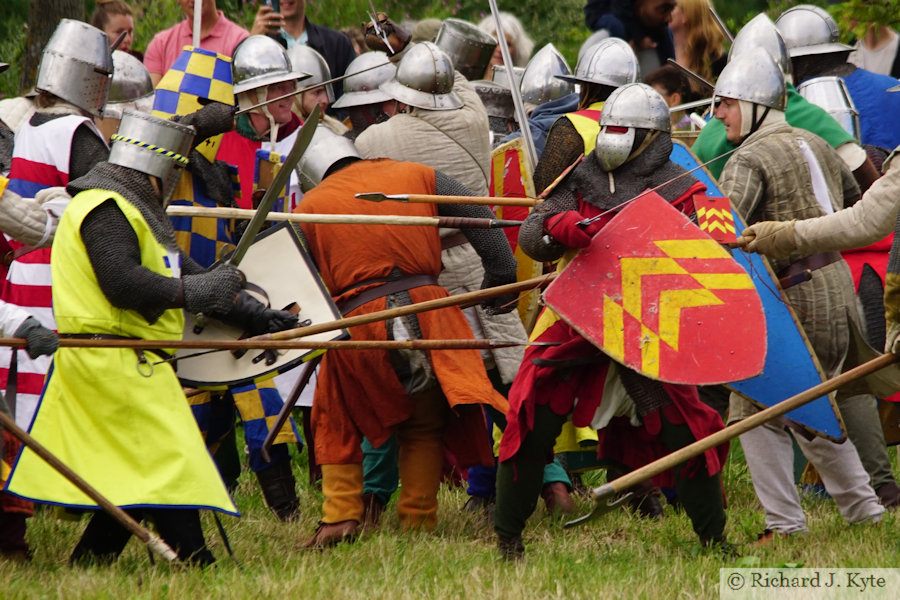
(435, 199)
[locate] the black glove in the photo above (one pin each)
(500, 304)
(252, 316)
(213, 292)
(39, 339)
(209, 121)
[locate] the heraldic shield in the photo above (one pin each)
(658, 295)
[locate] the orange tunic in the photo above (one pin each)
(358, 393)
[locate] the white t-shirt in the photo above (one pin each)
(877, 61)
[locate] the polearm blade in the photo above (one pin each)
(720, 22)
(379, 31)
(602, 493)
(514, 89)
(243, 213)
(435, 199)
(691, 74)
(304, 136)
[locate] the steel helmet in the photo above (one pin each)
(630, 107)
(761, 32)
(468, 47)
(131, 86)
(325, 149)
(540, 83)
(808, 29)
(362, 88)
(424, 79)
(610, 62)
(154, 146)
(77, 66)
(307, 62)
(753, 76)
(260, 61)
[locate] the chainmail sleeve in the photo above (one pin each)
(564, 146)
(114, 252)
(87, 151)
(532, 236)
(490, 244)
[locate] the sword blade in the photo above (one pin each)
(281, 178)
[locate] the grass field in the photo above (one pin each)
(616, 556)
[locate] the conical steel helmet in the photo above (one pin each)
(753, 76)
(306, 61)
(540, 83)
(760, 32)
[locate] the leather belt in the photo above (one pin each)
(801, 270)
(453, 240)
(389, 286)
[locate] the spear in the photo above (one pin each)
(434, 199)
(463, 300)
(258, 343)
(241, 213)
(602, 493)
(154, 542)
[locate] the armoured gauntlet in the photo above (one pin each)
(40, 340)
(213, 292)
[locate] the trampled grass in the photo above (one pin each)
(616, 556)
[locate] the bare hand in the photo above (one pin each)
(267, 21)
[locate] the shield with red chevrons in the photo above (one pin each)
(660, 296)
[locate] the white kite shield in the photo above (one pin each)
(281, 275)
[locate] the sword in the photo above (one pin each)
(378, 30)
(602, 493)
(434, 199)
(304, 137)
(514, 89)
(587, 222)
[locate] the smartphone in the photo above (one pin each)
(275, 4)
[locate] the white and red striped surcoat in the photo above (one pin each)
(40, 160)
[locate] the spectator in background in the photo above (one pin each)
(520, 44)
(112, 17)
(357, 38)
(878, 51)
(641, 23)
(698, 41)
(296, 30)
(217, 34)
(675, 87)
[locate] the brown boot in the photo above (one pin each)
(372, 511)
(889, 495)
(511, 549)
(331, 534)
(556, 497)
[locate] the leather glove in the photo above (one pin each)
(892, 339)
(396, 35)
(774, 239)
(254, 318)
(500, 304)
(213, 292)
(564, 228)
(39, 339)
(209, 121)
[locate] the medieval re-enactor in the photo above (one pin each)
(376, 393)
(780, 173)
(628, 159)
(119, 274)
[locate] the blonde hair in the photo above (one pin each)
(704, 39)
(512, 27)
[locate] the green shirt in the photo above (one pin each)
(800, 113)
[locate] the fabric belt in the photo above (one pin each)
(389, 286)
(109, 336)
(801, 270)
(453, 240)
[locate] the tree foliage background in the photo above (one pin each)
(560, 21)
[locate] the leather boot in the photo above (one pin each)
(372, 510)
(280, 491)
(510, 549)
(645, 500)
(889, 495)
(557, 499)
(332, 534)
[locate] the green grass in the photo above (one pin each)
(616, 556)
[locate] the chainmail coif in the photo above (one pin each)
(589, 182)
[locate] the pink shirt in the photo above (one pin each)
(167, 45)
